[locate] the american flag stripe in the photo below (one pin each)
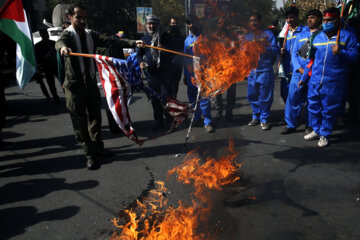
(116, 90)
(112, 90)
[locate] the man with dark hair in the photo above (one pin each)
(81, 92)
(292, 19)
(329, 72)
(46, 58)
(297, 97)
(176, 43)
(224, 36)
(204, 107)
(261, 80)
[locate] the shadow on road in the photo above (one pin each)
(14, 221)
(37, 188)
(337, 152)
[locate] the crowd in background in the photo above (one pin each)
(317, 67)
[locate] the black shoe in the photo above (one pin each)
(92, 163)
(308, 129)
(287, 130)
(198, 123)
(253, 122)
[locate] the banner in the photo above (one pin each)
(141, 13)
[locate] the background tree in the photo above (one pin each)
(108, 16)
(166, 9)
(306, 5)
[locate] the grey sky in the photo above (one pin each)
(279, 3)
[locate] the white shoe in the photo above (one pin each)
(264, 126)
(323, 142)
(311, 136)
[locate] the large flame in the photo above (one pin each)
(154, 220)
(211, 175)
(223, 65)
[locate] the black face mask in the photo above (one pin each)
(173, 29)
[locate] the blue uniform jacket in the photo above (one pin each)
(268, 58)
(290, 40)
(188, 49)
(329, 69)
(296, 60)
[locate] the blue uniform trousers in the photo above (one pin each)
(204, 107)
(296, 99)
(284, 88)
(260, 94)
(324, 107)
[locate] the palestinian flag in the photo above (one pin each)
(351, 6)
(13, 22)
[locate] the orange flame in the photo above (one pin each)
(211, 175)
(156, 221)
(224, 65)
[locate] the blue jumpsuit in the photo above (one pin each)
(261, 80)
(286, 60)
(297, 97)
(328, 80)
(204, 107)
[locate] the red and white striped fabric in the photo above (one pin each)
(117, 91)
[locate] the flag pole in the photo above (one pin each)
(170, 51)
(148, 46)
(341, 17)
(82, 55)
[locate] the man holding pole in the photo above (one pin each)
(294, 28)
(297, 97)
(334, 50)
(81, 92)
(204, 107)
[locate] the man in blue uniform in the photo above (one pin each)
(292, 18)
(297, 97)
(329, 74)
(261, 80)
(204, 107)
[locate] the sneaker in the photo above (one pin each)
(323, 142)
(264, 126)
(308, 129)
(209, 129)
(287, 130)
(253, 122)
(311, 136)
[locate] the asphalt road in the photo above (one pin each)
(289, 188)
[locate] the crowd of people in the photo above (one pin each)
(316, 67)
(319, 64)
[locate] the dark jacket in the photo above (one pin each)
(73, 77)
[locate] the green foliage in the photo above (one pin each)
(243, 8)
(108, 16)
(165, 9)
